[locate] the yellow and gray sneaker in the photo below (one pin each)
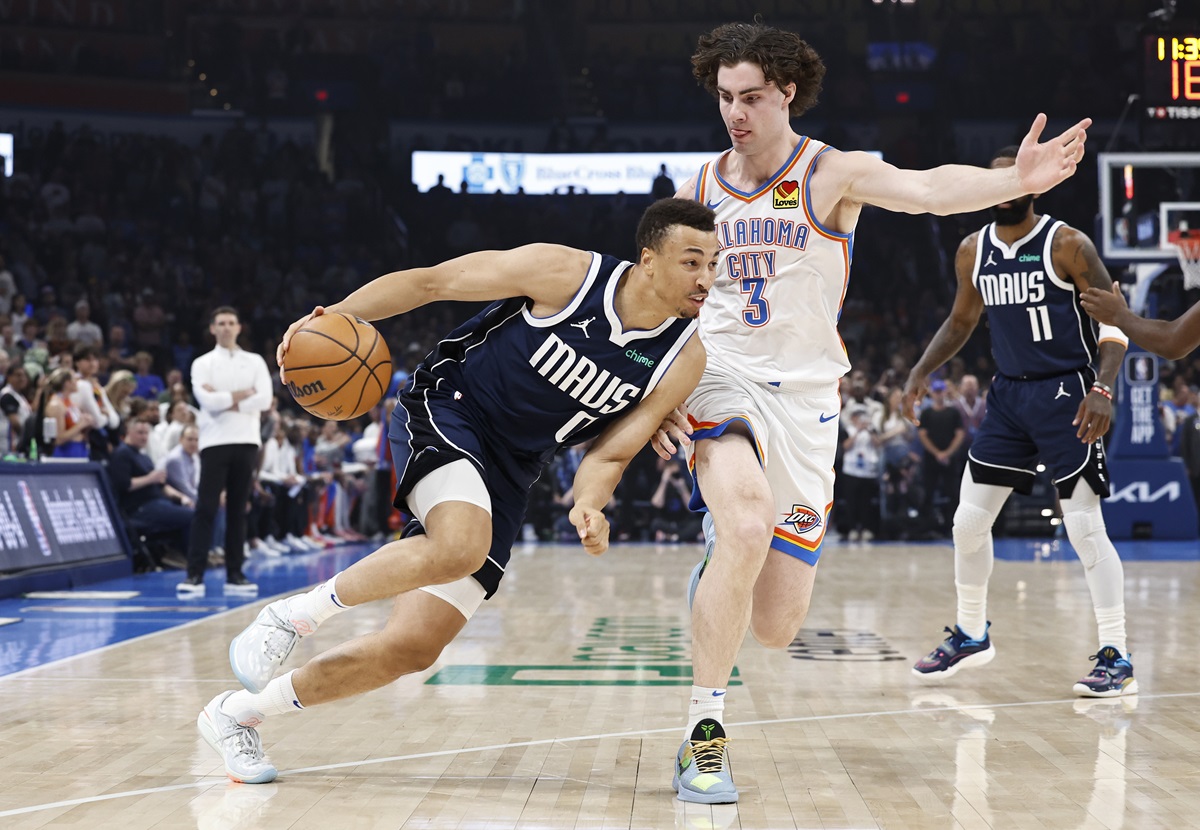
(702, 769)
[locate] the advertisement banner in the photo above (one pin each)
(56, 514)
(543, 173)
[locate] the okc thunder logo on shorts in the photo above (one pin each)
(803, 518)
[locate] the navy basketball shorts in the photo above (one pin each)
(430, 429)
(1030, 420)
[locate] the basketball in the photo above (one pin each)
(337, 366)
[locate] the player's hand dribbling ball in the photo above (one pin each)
(337, 366)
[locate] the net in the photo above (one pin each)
(1187, 248)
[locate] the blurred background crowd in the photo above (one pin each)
(114, 247)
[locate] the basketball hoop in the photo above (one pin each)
(1187, 247)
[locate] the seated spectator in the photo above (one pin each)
(148, 385)
(91, 399)
(82, 330)
(15, 406)
(119, 390)
(72, 425)
(150, 505)
(183, 463)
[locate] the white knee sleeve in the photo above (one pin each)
(1085, 527)
(978, 507)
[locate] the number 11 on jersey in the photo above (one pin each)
(1039, 320)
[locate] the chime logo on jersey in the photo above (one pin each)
(803, 518)
(786, 195)
(581, 378)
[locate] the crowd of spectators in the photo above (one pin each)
(112, 253)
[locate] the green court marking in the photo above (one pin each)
(573, 675)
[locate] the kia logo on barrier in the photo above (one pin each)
(1139, 493)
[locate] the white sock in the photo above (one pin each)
(251, 709)
(1110, 622)
(972, 609)
(705, 703)
(307, 611)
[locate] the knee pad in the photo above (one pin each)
(1087, 534)
(972, 526)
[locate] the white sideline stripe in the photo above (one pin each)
(545, 741)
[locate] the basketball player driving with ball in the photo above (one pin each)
(578, 346)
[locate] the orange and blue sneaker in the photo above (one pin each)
(710, 541)
(702, 771)
(1112, 677)
(957, 652)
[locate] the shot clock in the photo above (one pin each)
(1171, 76)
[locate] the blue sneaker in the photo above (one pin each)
(1112, 677)
(958, 652)
(710, 541)
(701, 768)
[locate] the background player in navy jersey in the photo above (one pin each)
(587, 347)
(1046, 403)
(766, 409)
(1173, 339)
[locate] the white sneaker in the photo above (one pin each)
(297, 544)
(190, 588)
(277, 546)
(258, 652)
(241, 587)
(317, 542)
(239, 746)
(263, 548)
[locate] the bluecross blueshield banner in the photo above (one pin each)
(56, 514)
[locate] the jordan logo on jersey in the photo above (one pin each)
(991, 260)
(786, 195)
(1062, 393)
(581, 378)
(582, 326)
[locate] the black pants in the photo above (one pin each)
(229, 468)
(858, 496)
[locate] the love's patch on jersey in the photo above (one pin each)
(803, 518)
(785, 196)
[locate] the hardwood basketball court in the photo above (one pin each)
(561, 706)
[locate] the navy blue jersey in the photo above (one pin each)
(1038, 327)
(538, 383)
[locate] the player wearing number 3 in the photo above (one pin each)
(767, 405)
(1046, 403)
(587, 347)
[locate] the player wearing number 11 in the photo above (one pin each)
(1046, 403)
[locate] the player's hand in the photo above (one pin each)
(592, 527)
(1093, 417)
(675, 426)
(1104, 306)
(287, 337)
(915, 389)
(1041, 166)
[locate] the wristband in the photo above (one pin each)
(1102, 389)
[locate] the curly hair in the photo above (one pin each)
(783, 57)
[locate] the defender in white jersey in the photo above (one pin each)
(767, 405)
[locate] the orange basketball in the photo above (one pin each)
(337, 367)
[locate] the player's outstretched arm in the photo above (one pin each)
(605, 463)
(953, 334)
(955, 188)
(1173, 339)
(547, 274)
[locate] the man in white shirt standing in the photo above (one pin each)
(232, 387)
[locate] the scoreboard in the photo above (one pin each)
(1171, 76)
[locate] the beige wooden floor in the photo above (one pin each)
(850, 740)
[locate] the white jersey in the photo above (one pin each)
(772, 315)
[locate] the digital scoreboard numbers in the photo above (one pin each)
(1171, 77)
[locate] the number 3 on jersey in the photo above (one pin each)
(757, 311)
